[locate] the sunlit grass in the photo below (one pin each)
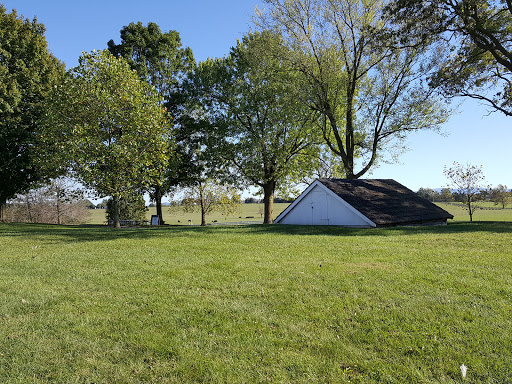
(255, 304)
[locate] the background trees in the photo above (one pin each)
(111, 125)
(28, 73)
(369, 87)
(57, 202)
(259, 125)
(500, 195)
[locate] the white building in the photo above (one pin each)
(361, 203)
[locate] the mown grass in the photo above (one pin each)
(255, 304)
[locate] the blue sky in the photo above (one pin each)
(210, 28)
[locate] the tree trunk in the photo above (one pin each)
(58, 211)
(158, 202)
(268, 201)
(29, 208)
(2, 210)
(203, 208)
(115, 209)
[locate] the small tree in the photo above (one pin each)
(208, 196)
(468, 179)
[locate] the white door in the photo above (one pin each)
(319, 208)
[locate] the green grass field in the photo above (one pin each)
(255, 304)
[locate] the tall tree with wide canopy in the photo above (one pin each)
(111, 127)
(370, 90)
(478, 34)
(159, 58)
(28, 73)
(260, 124)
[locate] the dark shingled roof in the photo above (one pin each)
(386, 202)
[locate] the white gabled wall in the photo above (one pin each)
(318, 205)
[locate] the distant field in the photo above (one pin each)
(486, 214)
(248, 213)
(255, 304)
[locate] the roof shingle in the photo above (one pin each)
(386, 202)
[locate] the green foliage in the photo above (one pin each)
(157, 57)
(428, 193)
(131, 207)
(110, 125)
(28, 73)
(194, 305)
(160, 60)
(501, 195)
(259, 123)
(478, 34)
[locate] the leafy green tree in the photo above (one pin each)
(159, 59)
(479, 36)
(112, 125)
(131, 207)
(468, 179)
(260, 124)
(28, 73)
(370, 89)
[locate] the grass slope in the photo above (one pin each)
(255, 304)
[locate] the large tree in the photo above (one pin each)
(28, 72)
(260, 123)
(479, 36)
(112, 127)
(369, 88)
(159, 58)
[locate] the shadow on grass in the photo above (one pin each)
(86, 233)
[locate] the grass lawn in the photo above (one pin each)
(256, 304)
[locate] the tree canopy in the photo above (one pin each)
(260, 124)
(370, 90)
(28, 73)
(111, 125)
(478, 35)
